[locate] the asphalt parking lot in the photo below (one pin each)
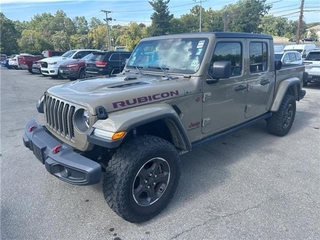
(247, 185)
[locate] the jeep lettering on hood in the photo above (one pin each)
(143, 99)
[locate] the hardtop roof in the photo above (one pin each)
(216, 34)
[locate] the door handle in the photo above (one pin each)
(240, 88)
(264, 82)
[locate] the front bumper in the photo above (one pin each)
(50, 71)
(60, 159)
(67, 72)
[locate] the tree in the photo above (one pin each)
(98, 37)
(245, 15)
(95, 22)
(160, 18)
(61, 41)
(33, 42)
(276, 26)
(9, 36)
(133, 34)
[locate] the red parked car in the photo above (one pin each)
(25, 61)
(74, 68)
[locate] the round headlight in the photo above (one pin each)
(86, 118)
(82, 119)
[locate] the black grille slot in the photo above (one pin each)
(44, 64)
(59, 116)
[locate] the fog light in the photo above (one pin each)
(65, 172)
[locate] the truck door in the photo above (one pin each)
(224, 101)
(260, 79)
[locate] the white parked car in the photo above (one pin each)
(50, 66)
(13, 60)
(288, 57)
(312, 65)
(303, 49)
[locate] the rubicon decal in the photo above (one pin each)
(143, 99)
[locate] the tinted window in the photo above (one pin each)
(278, 57)
(229, 51)
(313, 56)
(115, 57)
(258, 57)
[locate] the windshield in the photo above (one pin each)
(68, 54)
(181, 55)
(86, 57)
(278, 57)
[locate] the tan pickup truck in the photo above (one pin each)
(176, 92)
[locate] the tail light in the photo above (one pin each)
(101, 64)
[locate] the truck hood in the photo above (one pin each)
(55, 59)
(116, 93)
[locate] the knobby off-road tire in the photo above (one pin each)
(280, 122)
(141, 178)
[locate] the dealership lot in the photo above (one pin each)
(247, 185)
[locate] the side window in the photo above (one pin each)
(286, 58)
(298, 56)
(258, 57)
(124, 56)
(115, 57)
(229, 51)
(292, 57)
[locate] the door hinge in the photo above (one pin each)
(205, 121)
(206, 96)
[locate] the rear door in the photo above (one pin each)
(260, 78)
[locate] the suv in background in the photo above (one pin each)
(74, 69)
(50, 66)
(312, 65)
(288, 57)
(106, 63)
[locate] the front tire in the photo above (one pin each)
(141, 178)
(280, 122)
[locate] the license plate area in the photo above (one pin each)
(38, 150)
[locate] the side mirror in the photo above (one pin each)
(220, 69)
(278, 65)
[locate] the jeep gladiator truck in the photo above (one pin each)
(176, 92)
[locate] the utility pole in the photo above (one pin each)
(200, 22)
(300, 21)
(108, 27)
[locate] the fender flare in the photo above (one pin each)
(128, 119)
(282, 89)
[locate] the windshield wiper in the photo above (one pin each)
(164, 70)
(127, 72)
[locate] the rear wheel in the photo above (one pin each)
(280, 122)
(141, 178)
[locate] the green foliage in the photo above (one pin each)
(132, 35)
(9, 36)
(47, 31)
(160, 18)
(32, 42)
(245, 15)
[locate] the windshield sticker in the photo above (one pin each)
(195, 63)
(199, 52)
(200, 44)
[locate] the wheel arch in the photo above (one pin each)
(161, 120)
(290, 86)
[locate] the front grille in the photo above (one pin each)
(59, 116)
(44, 64)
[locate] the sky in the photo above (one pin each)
(125, 11)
